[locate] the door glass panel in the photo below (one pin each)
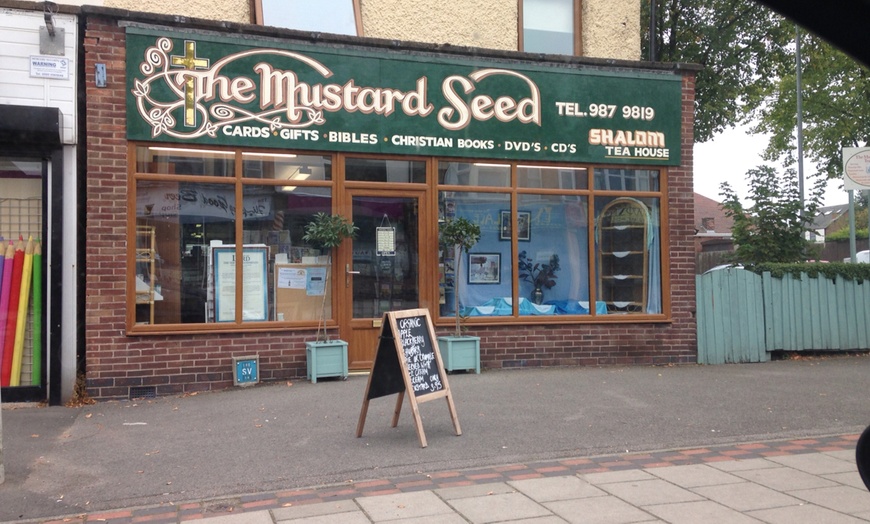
(384, 255)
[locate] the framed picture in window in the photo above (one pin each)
(484, 268)
(524, 225)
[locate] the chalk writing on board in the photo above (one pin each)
(419, 355)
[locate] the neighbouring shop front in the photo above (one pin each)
(37, 169)
(233, 144)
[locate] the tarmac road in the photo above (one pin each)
(63, 461)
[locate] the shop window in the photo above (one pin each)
(628, 244)
(380, 170)
(287, 167)
(485, 283)
(474, 174)
(553, 258)
(627, 179)
(327, 16)
(181, 161)
(550, 26)
(186, 236)
(544, 177)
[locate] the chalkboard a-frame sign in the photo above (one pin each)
(407, 359)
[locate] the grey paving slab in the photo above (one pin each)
(432, 519)
(353, 517)
(704, 511)
(476, 490)
(552, 519)
(746, 496)
(609, 477)
(784, 479)
(599, 510)
(556, 488)
(649, 492)
(805, 514)
(744, 465)
(313, 510)
(848, 456)
(815, 463)
(253, 517)
(695, 475)
(403, 506)
(847, 479)
(498, 508)
(845, 499)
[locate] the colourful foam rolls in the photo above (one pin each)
(36, 369)
(4, 304)
(21, 322)
(12, 313)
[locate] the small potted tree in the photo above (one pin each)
(326, 357)
(459, 351)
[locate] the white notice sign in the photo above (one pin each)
(56, 67)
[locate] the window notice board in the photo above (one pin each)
(300, 290)
(255, 298)
(408, 359)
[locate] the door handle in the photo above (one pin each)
(347, 274)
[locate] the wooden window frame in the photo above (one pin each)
(257, 14)
(578, 26)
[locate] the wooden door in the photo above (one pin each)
(383, 273)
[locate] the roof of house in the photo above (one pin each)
(710, 216)
(827, 215)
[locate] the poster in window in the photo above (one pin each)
(484, 268)
(524, 225)
(255, 298)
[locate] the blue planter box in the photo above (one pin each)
(326, 359)
(460, 353)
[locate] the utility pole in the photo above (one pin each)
(800, 119)
(652, 30)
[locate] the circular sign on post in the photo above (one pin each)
(856, 168)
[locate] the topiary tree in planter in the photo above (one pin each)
(461, 234)
(327, 232)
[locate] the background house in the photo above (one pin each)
(828, 220)
(712, 233)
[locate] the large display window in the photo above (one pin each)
(542, 251)
(556, 240)
(194, 207)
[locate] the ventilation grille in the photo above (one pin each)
(143, 392)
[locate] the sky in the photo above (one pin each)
(731, 154)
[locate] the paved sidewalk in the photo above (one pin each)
(268, 452)
(791, 482)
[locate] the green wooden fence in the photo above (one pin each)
(743, 316)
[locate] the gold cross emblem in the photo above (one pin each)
(190, 62)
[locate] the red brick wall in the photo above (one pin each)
(174, 364)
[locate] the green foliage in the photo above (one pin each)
(836, 106)
(749, 76)
(857, 272)
(860, 227)
(459, 232)
(740, 44)
(773, 229)
(843, 234)
(328, 231)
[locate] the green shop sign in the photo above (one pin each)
(213, 90)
